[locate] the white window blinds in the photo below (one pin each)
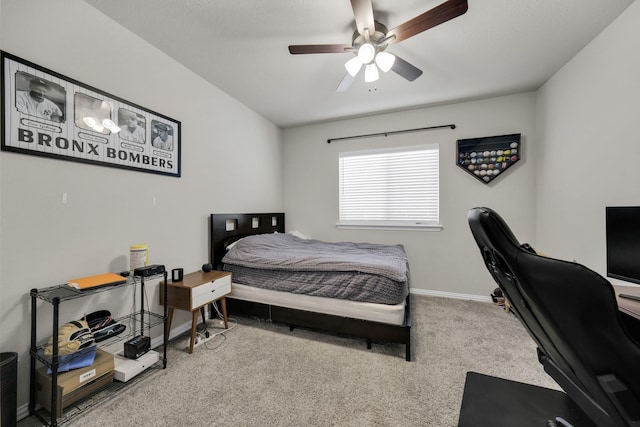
(390, 188)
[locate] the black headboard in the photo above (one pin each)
(227, 228)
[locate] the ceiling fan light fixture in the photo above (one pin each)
(371, 38)
(366, 53)
(385, 61)
(353, 66)
(371, 73)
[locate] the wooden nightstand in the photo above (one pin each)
(193, 293)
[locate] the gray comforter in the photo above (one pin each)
(364, 272)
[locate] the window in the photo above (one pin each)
(394, 188)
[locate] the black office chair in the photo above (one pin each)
(572, 315)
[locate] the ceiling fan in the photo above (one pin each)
(372, 38)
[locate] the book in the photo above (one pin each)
(90, 282)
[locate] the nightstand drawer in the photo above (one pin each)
(208, 292)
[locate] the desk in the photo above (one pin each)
(628, 306)
(193, 293)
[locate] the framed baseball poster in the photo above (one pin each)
(47, 114)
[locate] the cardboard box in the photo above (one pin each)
(75, 384)
(67, 399)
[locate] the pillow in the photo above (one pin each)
(232, 244)
(299, 235)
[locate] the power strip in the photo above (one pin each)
(200, 339)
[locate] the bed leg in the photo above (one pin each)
(408, 350)
(291, 327)
(368, 343)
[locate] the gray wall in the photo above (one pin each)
(231, 161)
(589, 144)
(443, 262)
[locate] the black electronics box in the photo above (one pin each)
(149, 270)
(137, 346)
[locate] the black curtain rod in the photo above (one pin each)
(452, 126)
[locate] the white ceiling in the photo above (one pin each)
(241, 46)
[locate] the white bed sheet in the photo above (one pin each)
(391, 314)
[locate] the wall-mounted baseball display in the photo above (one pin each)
(488, 157)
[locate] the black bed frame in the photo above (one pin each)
(226, 228)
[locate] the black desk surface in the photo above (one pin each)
(625, 305)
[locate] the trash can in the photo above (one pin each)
(8, 389)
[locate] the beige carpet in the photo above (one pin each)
(261, 374)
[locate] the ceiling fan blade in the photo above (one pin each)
(319, 48)
(406, 70)
(363, 13)
(345, 83)
(431, 18)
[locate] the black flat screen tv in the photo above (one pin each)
(623, 243)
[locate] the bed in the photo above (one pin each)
(387, 319)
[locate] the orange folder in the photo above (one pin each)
(97, 280)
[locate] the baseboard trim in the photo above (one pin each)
(452, 295)
(175, 332)
(22, 412)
